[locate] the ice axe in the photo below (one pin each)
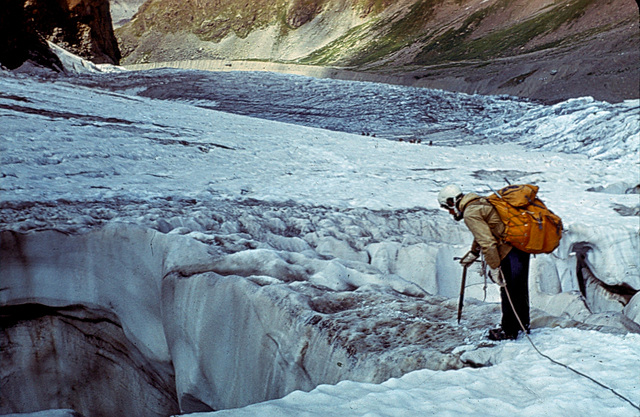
(461, 300)
(464, 282)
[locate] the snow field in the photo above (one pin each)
(289, 213)
(522, 383)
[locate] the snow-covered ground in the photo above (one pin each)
(297, 195)
(522, 384)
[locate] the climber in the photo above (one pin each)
(508, 266)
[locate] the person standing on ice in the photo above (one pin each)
(508, 266)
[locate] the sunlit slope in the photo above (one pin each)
(364, 32)
(542, 49)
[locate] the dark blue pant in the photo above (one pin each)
(515, 267)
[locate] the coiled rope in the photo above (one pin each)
(622, 397)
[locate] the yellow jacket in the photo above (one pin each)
(488, 230)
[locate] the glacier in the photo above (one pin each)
(246, 241)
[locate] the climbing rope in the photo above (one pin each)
(562, 364)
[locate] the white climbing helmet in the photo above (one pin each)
(449, 195)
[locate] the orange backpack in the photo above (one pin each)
(529, 225)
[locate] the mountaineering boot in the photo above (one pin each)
(500, 334)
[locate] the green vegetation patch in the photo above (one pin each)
(359, 46)
(400, 35)
(333, 52)
(454, 46)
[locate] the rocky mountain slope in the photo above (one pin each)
(123, 10)
(547, 49)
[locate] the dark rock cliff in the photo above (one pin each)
(82, 27)
(19, 43)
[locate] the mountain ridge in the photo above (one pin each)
(542, 49)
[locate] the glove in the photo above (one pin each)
(468, 259)
(496, 276)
